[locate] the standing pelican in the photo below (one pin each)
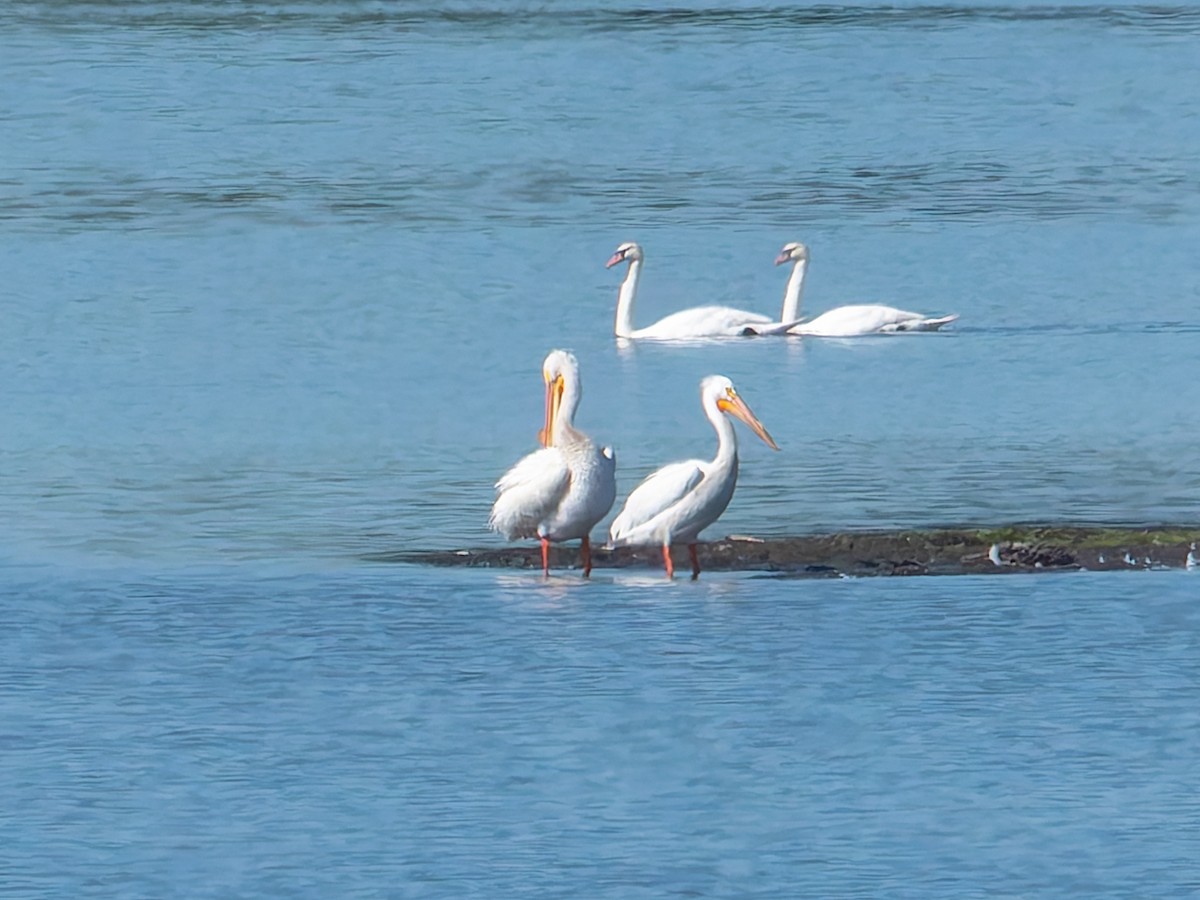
(560, 492)
(676, 503)
(687, 324)
(845, 321)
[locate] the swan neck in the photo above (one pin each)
(624, 324)
(791, 296)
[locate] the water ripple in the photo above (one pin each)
(482, 735)
(545, 192)
(544, 18)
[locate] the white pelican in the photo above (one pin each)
(676, 503)
(560, 492)
(687, 324)
(845, 321)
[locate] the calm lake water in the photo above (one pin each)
(278, 281)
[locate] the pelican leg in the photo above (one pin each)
(667, 559)
(546, 557)
(585, 550)
(695, 562)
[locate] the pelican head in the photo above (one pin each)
(559, 368)
(793, 252)
(718, 392)
(629, 251)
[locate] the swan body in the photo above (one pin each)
(845, 321)
(676, 503)
(867, 318)
(560, 492)
(687, 324)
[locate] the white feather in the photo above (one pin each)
(687, 324)
(529, 492)
(561, 492)
(845, 321)
(657, 494)
(868, 318)
(703, 322)
(680, 500)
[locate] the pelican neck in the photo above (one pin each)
(726, 435)
(564, 422)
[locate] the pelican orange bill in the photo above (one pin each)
(554, 393)
(736, 407)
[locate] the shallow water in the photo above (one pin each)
(279, 277)
(401, 730)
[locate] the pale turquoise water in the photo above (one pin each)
(278, 279)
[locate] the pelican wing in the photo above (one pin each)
(658, 493)
(529, 492)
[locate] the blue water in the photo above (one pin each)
(278, 280)
(399, 731)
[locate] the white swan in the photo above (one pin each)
(560, 492)
(699, 322)
(845, 321)
(676, 503)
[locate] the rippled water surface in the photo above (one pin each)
(397, 731)
(278, 281)
(280, 276)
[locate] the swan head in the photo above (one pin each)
(793, 252)
(630, 251)
(558, 367)
(717, 392)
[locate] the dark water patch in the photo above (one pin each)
(543, 19)
(886, 16)
(1068, 329)
(552, 193)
